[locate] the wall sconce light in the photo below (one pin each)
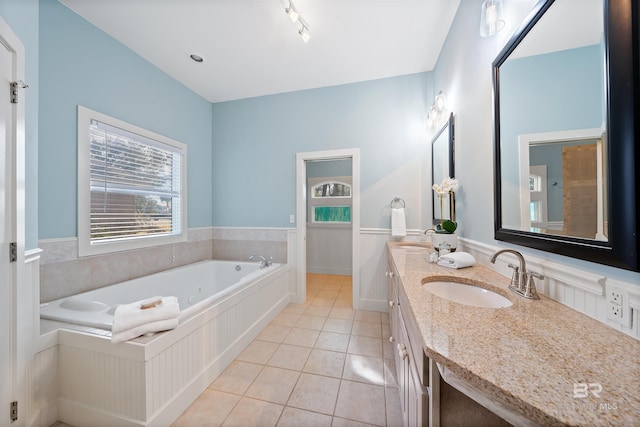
(437, 111)
(491, 18)
(295, 18)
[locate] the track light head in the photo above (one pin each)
(291, 12)
(304, 33)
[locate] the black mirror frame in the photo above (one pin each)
(622, 53)
(450, 125)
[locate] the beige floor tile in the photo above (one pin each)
(390, 377)
(333, 341)
(315, 393)
(341, 326)
(323, 362)
(323, 301)
(285, 319)
(310, 322)
(392, 403)
(293, 308)
(273, 385)
(294, 417)
(274, 333)
(387, 348)
(334, 287)
(368, 316)
(361, 402)
(343, 303)
(342, 313)
(317, 310)
(364, 369)
(341, 422)
(367, 329)
(325, 293)
(365, 346)
(290, 357)
(258, 352)
(237, 377)
(302, 337)
(209, 409)
(251, 412)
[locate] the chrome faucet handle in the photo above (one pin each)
(530, 288)
(515, 277)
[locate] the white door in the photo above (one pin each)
(6, 234)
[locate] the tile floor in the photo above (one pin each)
(316, 364)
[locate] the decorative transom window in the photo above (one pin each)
(331, 189)
(131, 186)
(328, 202)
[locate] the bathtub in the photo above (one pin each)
(151, 380)
(195, 285)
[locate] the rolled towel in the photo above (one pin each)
(152, 327)
(457, 260)
(398, 222)
(128, 316)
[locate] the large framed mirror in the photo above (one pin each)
(442, 167)
(566, 158)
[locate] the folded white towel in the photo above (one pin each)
(398, 222)
(457, 260)
(128, 316)
(152, 327)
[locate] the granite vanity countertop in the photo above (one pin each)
(533, 355)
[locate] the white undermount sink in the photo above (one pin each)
(466, 294)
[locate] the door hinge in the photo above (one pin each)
(13, 252)
(14, 411)
(15, 89)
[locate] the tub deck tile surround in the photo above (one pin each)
(316, 364)
(536, 356)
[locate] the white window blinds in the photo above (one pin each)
(135, 185)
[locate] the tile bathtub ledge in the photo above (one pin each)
(528, 356)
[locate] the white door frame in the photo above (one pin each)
(525, 140)
(19, 307)
(301, 213)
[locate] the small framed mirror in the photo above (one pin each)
(442, 167)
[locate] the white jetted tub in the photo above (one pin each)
(149, 381)
(195, 285)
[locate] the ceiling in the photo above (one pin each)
(251, 48)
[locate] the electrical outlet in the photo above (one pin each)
(618, 308)
(615, 312)
(615, 296)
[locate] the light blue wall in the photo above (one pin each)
(22, 17)
(79, 64)
(256, 141)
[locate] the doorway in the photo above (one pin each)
(14, 308)
(337, 210)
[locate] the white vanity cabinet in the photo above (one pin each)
(408, 355)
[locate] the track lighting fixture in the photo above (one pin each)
(304, 33)
(295, 17)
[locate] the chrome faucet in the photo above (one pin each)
(522, 281)
(264, 262)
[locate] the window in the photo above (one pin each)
(131, 186)
(330, 201)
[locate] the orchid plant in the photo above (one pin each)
(448, 187)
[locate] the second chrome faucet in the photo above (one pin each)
(522, 281)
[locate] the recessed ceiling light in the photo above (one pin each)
(196, 58)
